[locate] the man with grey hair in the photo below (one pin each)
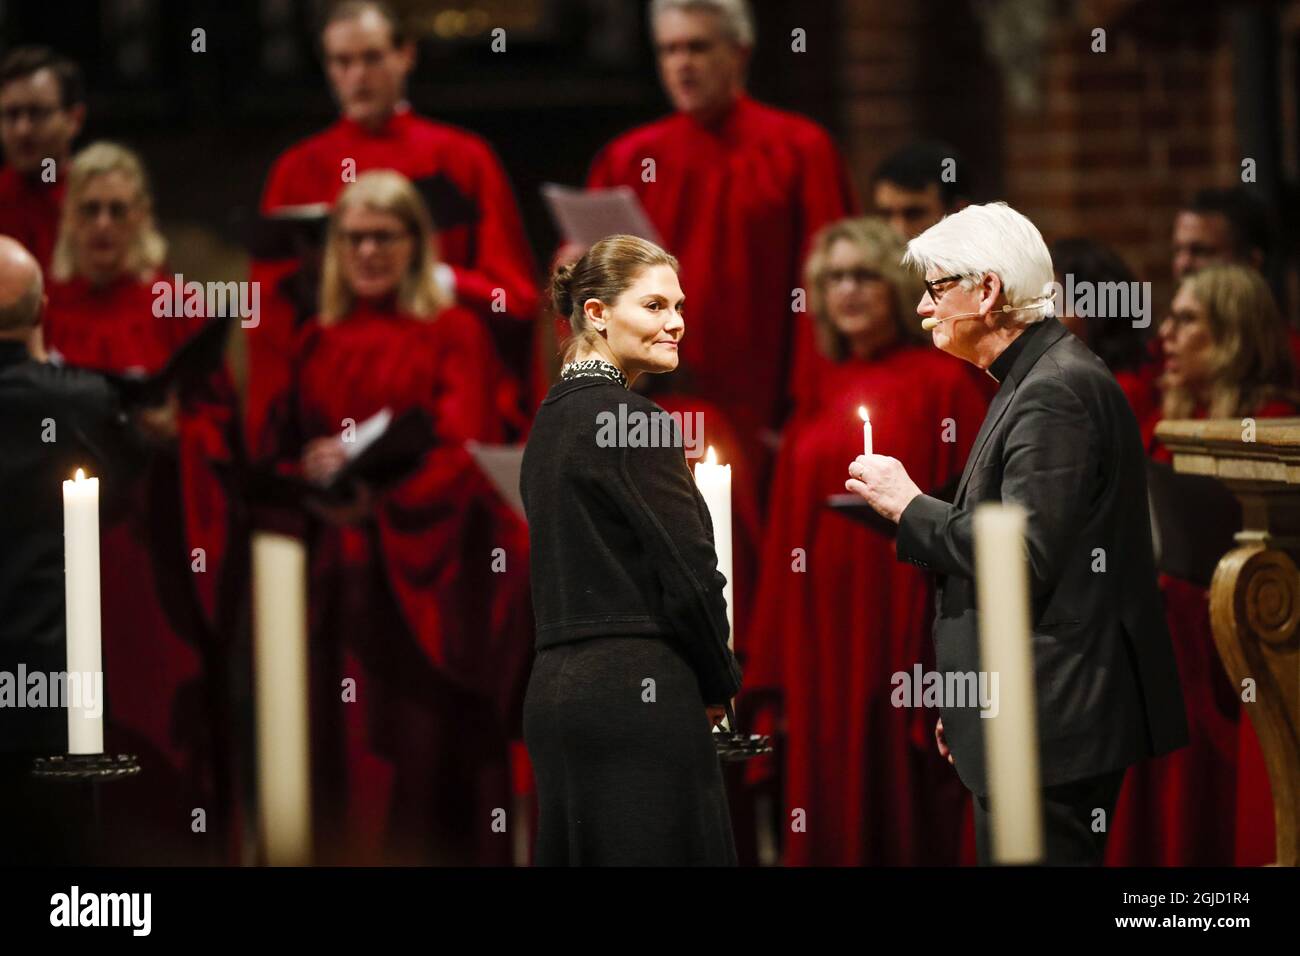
(736, 190)
(1061, 442)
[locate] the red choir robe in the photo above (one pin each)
(486, 248)
(30, 211)
(409, 605)
(829, 638)
(737, 204)
(161, 639)
(1209, 803)
(1140, 389)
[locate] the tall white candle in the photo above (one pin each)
(866, 429)
(280, 698)
(81, 594)
(1011, 736)
(715, 485)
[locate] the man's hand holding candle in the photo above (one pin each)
(882, 482)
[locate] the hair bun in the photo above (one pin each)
(561, 290)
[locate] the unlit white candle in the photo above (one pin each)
(866, 430)
(1010, 737)
(280, 697)
(81, 594)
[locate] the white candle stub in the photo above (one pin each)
(280, 689)
(1010, 732)
(81, 594)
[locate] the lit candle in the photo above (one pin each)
(715, 485)
(280, 698)
(866, 429)
(1011, 734)
(81, 595)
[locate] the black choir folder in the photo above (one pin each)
(1193, 521)
(200, 356)
(855, 509)
(386, 448)
(289, 232)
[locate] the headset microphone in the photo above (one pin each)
(930, 323)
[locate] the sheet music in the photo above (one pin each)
(502, 465)
(367, 432)
(585, 216)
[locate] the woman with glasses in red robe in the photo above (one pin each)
(162, 561)
(415, 675)
(837, 616)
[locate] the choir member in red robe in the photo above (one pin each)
(1208, 804)
(42, 108)
(1122, 345)
(160, 650)
(735, 188)
(484, 262)
(405, 584)
(837, 616)
(1227, 226)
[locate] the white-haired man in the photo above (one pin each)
(736, 190)
(1060, 441)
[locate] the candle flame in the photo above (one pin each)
(862, 413)
(81, 475)
(711, 457)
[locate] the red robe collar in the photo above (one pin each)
(395, 127)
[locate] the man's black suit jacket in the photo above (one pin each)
(1061, 441)
(52, 421)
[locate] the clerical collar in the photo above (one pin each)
(1002, 364)
(597, 368)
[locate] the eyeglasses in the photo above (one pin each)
(936, 293)
(10, 116)
(92, 209)
(382, 238)
(859, 276)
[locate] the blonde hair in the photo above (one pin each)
(1250, 358)
(148, 248)
(882, 253)
(605, 272)
(388, 192)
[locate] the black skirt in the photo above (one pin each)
(627, 773)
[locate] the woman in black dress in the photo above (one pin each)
(632, 665)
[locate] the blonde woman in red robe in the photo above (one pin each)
(1208, 804)
(484, 264)
(159, 595)
(836, 615)
(417, 676)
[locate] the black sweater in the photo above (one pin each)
(621, 539)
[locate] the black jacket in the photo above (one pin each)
(80, 412)
(1060, 441)
(621, 539)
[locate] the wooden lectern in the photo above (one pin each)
(1255, 594)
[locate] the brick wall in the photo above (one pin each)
(1116, 142)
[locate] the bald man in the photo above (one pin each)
(56, 420)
